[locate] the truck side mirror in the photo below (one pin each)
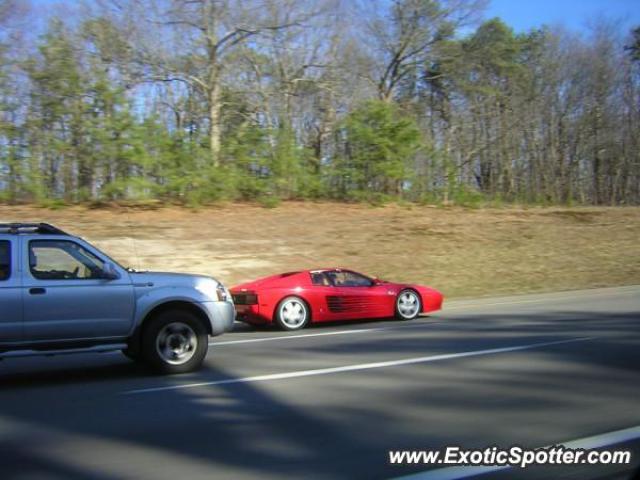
(109, 272)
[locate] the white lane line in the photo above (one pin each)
(322, 334)
(605, 439)
(588, 443)
(362, 366)
(291, 337)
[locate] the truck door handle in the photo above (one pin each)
(37, 291)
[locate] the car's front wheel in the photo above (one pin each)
(408, 305)
(175, 341)
(292, 314)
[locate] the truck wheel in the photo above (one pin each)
(131, 354)
(175, 341)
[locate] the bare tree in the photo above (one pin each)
(402, 33)
(193, 41)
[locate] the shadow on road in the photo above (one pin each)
(241, 327)
(275, 430)
(42, 375)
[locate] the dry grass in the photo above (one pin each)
(464, 253)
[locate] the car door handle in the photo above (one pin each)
(37, 291)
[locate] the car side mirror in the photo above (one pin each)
(109, 272)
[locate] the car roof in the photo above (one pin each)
(322, 270)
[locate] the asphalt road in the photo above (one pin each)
(331, 401)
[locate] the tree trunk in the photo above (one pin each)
(215, 127)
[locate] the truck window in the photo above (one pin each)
(5, 260)
(62, 260)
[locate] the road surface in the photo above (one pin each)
(331, 401)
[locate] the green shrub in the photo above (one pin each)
(269, 201)
(52, 203)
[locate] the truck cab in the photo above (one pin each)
(59, 294)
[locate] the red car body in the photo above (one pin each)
(328, 300)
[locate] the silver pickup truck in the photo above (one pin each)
(59, 294)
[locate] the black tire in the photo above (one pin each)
(175, 334)
(404, 313)
(131, 354)
(286, 322)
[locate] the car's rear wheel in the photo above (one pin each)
(175, 341)
(292, 314)
(408, 305)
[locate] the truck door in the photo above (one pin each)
(10, 293)
(66, 296)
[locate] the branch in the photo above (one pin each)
(240, 34)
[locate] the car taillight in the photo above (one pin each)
(248, 298)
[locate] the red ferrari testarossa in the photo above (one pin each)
(293, 300)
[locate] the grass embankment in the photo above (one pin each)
(463, 252)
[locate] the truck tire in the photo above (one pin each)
(175, 341)
(131, 354)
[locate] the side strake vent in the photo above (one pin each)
(338, 304)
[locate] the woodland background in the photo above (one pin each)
(197, 101)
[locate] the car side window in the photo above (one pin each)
(320, 279)
(5, 260)
(63, 260)
(349, 279)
